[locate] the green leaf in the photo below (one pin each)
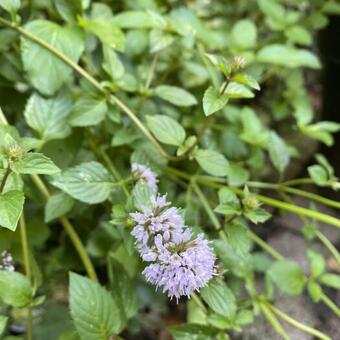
(48, 117)
(160, 40)
(278, 152)
(238, 237)
(317, 263)
(324, 162)
(274, 11)
(212, 162)
(299, 35)
(331, 7)
(193, 332)
(236, 91)
(3, 323)
(175, 95)
(137, 19)
(287, 56)
(218, 321)
(166, 129)
(253, 130)
(69, 9)
(321, 131)
(88, 111)
(11, 204)
(94, 312)
(141, 195)
(258, 215)
(244, 317)
(219, 298)
(10, 5)
(58, 205)
(88, 182)
(213, 101)
(123, 289)
(187, 145)
(35, 163)
(244, 34)
(318, 174)
(15, 289)
(331, 280)
(106, 31)
(237, 174)
(246, 79)
(112, 64)
(14, 181)
(221, 63)
(46, 71)
(315, 291)
(228, 209)
(239, 264)
(288, 276)
(229, 203)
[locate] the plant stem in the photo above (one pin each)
(294, 208)
(100, 152)
(298, 181)
(70, 232)
(24, 245)
(273, 321)
(25, 255)
(327, 301)
(198, 302)
(298, 324)
(328, 244)
(79, 247)
(214, 220)
(114, 171)
(275, 254)
(215, 182)
(4, 179)
(295, 191)
(151, 71)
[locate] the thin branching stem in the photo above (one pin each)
(299, 325)
(271, 318)
(26, 257)
(331, 305)
(5, 178)
(297, 192)
(217, 183)
(328, 244)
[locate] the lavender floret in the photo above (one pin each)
(179, 263)
(6, 261)
(143, 172)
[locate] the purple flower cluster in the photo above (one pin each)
(6, 261)
(141, 171)
(179, 263)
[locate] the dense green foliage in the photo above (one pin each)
(213, 96)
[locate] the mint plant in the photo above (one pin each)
(112, 110)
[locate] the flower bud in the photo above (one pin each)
(250, 202)
(14, 152)
(238, 62)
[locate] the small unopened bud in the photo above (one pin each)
(238, 62)
(14, 152)
(250, 202)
